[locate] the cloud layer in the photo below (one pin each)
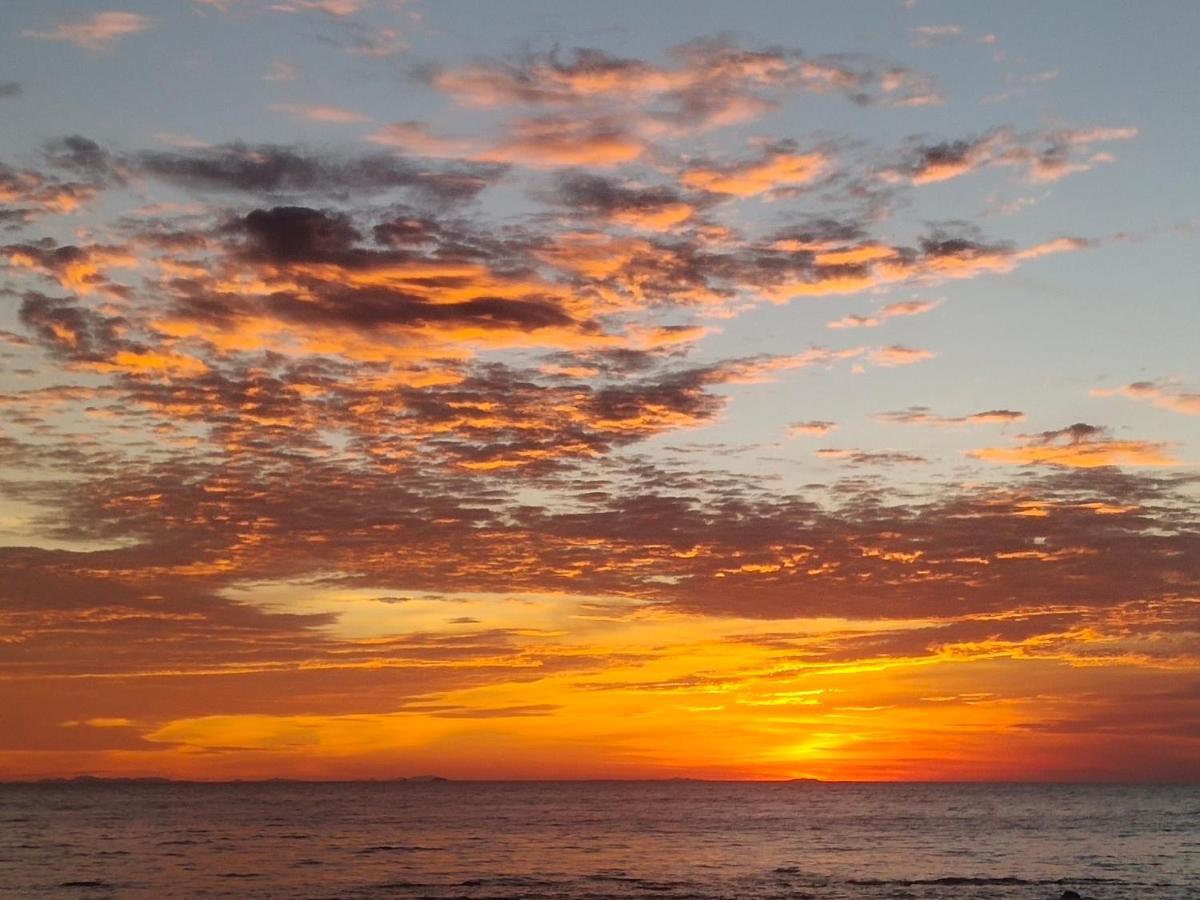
(328, 455)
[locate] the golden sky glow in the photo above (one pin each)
(607, 403)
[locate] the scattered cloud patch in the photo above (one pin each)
(922, 415)
(811, 428)
(1080, 446)
(1165, 394)
(99, 32)
(336, 115)
(892, 310)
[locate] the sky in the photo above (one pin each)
(534, 390)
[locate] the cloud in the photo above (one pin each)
(336, 8)
(682, 533)
(414, 137)
(696, 269)
(609, 200)
(10, 89)
(1163, 394)
(1021, 85)
(346, 308)
(855, 320)
(1046, 156)
(181, 141)
(931, 35)
(907, 308)
(541, 142)
(98, 32)
(324, 114)
(747, 179)
(83, 269)
(561, 141)
(270, 169)
(375, 42)
(754, 370)
(77, 333)
(29, 194)
(221, 6)
(424, 431)
(922, 415)
(321, 281)
(941, 162)
(891, 311)
(899, 355)
(618, 570)
(707, 84)
(1049, 248)
(928, 35)
(800, 267)
(548, 80)
(84, 159)
(814, 427)
(1079, 446)
(856, 457)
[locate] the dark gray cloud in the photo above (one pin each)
(266, 169)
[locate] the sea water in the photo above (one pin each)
(598, 840)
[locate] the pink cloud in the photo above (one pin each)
(326, 114)
(1163, 394)
(98, 32)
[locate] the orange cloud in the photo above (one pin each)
(554, 141)
(1048, 248)
(907, 308)
(850, 256)
(160, 363)
(592, 74)
(534, 142)
(1079, 446)
(751, 179)
(938, 260)
(80, 269)
(30, 194)
(944, 162)
(898, 355)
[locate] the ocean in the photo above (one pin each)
(598, 840)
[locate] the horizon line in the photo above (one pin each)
(439, 779)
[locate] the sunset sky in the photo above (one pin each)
(619, 390)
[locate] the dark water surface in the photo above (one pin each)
(599, 840)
